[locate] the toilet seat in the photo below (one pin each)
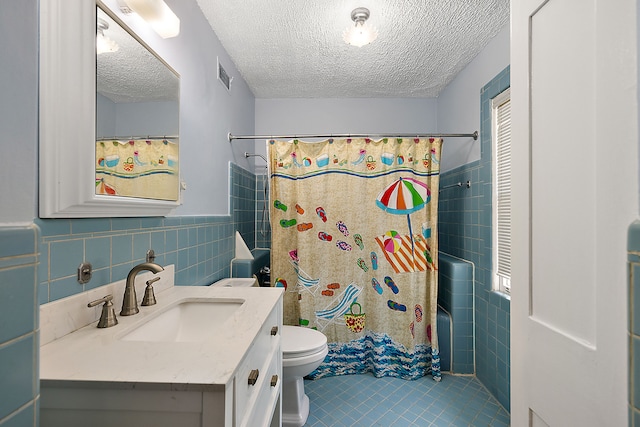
(298, 342)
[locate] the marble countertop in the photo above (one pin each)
(97, 357)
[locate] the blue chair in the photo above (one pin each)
(327, 316)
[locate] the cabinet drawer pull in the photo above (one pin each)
(274, 330)
(253, 376)
(274, 380)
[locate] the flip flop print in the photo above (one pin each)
(418, 311)
(324, 236)
(343, 245)
(330, 289)
(376, 285)
(304, 226)
(374, 260)
(342, 228)
(396, 306)
(279, 205)
(321, 213)
(362, 264)
(286, 223)
(299, 209)
(427, 255)
(391, 284)
(358, 240)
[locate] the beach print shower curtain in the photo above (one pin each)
(354, 242)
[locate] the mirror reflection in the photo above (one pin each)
(137, 117)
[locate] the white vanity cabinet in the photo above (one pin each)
(159, 387)
(257, 383)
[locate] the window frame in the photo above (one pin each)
(500, 282)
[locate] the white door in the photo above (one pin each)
(575, 191)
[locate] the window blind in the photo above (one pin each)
(502, 197)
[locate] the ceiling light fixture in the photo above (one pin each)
(103, 43)
(158, 15)
(360, 34)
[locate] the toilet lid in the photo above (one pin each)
(298, 341)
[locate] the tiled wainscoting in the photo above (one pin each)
(18, 327)
(633, 248)
(200, 248)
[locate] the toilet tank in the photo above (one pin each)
(249, 267)
(237, 282)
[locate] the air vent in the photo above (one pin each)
(223, 77)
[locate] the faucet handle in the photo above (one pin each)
(108, 315)
(149, 297)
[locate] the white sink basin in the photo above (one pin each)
(186, 321)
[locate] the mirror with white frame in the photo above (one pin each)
(137, 116)
(78, 112)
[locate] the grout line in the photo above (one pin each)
(432, 403)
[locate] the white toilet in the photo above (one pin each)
(303, 350)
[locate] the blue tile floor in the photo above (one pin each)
(363, 400)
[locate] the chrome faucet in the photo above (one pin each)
(130, 300)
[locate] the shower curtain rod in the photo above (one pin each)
(473, 135)
(136, 138)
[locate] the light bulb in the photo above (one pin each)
(360, 35)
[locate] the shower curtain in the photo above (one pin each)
(145, 168)
(354, 242)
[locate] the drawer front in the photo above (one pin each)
(269, 336)
(262, 411)
(254, 372)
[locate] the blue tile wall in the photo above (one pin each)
(464, 227)
(250, 198)
(117, 244)
(243, 203)
(455, 295)
(633, 248)
(19, 338)
(263, 228)
(201, 248)
(444, 339)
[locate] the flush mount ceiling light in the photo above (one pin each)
(103, 43)
(157, 14)
(360, 34)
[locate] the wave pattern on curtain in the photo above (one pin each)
(354, 242)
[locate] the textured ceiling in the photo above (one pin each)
(294, 49)
(132, 73)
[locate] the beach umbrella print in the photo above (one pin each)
(392, 241)
(403, 197)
